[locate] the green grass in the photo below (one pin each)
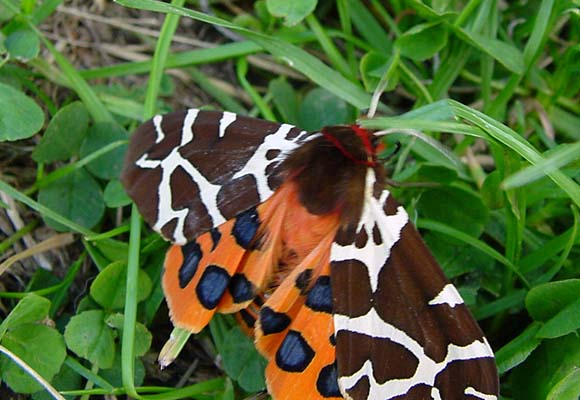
(485, 100)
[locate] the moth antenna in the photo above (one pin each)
(397, 184)
(427, 139)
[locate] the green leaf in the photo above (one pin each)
(108, 289)
(23, 45)
(294, 56)
(429, 172)
(557, 158)
(491, 194)
(506, 54)
(551, 363)
(456, 260)
(321, 108)
(101, 134)
(374, 66)
(241, 360)
(545, 301)
(568, 388)
(115, 195)
(41, 347)
(285, 99)
(518, 349)
(77, 197)
(89, 337)
(5, 12)
(292, 11)
(114, 375)
(143, 337)
(65, 379)
(32, 308)
(515, 142)
(422, 41)
(64, 134)
(20, 116)
(564, 322)
(456, 207)
(370, 29)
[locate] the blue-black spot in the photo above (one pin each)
(272, 321)
(259, 301)
(320, 295)
(332, 339)
(211, 286)
(294, 354)
(241, 288)
(303, 281)
(327, 382)
(248, 318)
(215, 237)
(191, 255)
(246, 227)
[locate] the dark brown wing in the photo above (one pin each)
(402, 330)
(191, 171)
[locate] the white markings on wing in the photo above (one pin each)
(208, 191)
(157, 124)
(145, 163)
(471, 391)
(427, 369)
(373, 255)
(186, 130)
(448, 295)
(227, 119)
(435, 394)
(256, 165)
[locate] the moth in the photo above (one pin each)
(295, 232)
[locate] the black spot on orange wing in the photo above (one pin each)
(192, 254)
(212, 285)
(246, 227)
(215, 237)
(241, 289)
(294, 354)
(272, 321)
(303, 281)
(248, 319)
(327, 382)
(319, 296)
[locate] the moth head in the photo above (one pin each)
(354, 142)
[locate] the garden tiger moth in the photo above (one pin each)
(297, 227)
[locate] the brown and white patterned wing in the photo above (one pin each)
(402, 330)
(191, 171)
